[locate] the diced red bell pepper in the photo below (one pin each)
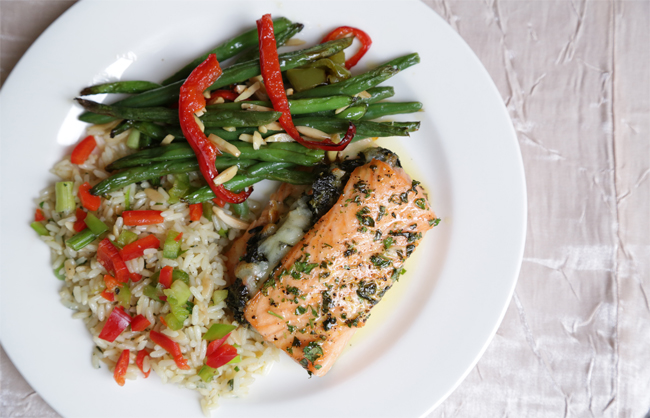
(109, 296)
(225, 94)
(270, 66)
(135, 277)
(109, 257)
(165, 278)
(136, 248)
(191, 101)
(38, 216)
(221, 356)
(117, 322)
(139, 323)
(196, 210)
(111, 282)
(162, 318)
(142, 217)
(79, 224)
(361, 36)
(171, 347)
(83, 149)
(214, 345)
(178, 237)
(139, 361)
(88, 200)
(121, 367)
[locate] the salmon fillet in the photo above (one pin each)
(326, 285)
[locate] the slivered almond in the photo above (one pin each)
(289, 91)
(364, 95)
(198, 122)
(262, 129)
(257, 108)
(257, 140)
(313, 133)
(168, 140)
(248, 92)
(224, 145)
(239, 89)
(200, 112)
(273, 126)
(225, 175)
(218, 100)
(340, 109)
(206, 94)
(282, 137)
(229, 219)
(229, 128)
(246, 138)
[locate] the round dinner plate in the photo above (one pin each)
(430, 329)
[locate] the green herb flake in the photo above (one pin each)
(275, 315)
(300, 310)
(388, 242)
(421, 203)
(434, 222)
(313, 351)
(380, 261)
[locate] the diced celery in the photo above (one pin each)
(123, 295)
(80, 240)
(207, 210)
(207, 373)
(94, 224)
(223, 233)
(181, 275)
(126, 237)
(179, 310)
(217, 331)
(180, 188)
(235, 360)
(152, 292)
(133, 141)
(179, 291)
(219, 296)
(172, 247)
(64, 196)
(58, 274)
(173, 322)
(40, 228)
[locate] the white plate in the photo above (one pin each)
(432, 327)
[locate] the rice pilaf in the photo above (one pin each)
(201, 258)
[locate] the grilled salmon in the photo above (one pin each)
(311, 300)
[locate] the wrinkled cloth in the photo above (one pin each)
(575, 76)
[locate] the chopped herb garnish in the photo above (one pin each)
(296, 342)
(300, 310)
(275, 315)
(421, 203)
(434, 222)
(305, 267)
(313, 351)
(388, 242)
(380, 261)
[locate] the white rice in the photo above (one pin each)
(202, 260)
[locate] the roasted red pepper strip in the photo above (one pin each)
(142, 217)
(191, 101)
(109, 257)
(88, 201)
(171, 347)
(79, 224)
(83, 150)
(117, 322)
(165, 278)
(225, 94)
(363, 37)
(38, 216)
(139, 323)
(214, 345)
(196, 210)
(136, 248)
(270, 66)
(221, 356)
(121, 367)
(139, 361)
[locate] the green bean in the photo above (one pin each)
(378, 110)
(229, 49)
(124, 126)
(236, 118)
(280, 39)
(266, 168)
(353, 112)
(128, 87)
(233, 74)
(154, 131)
(298, 106)
(376, 94)
(364, 128)
(240, 182)
(361, 82)
(138, 174)
(274, 152)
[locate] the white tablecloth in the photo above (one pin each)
(575, 75)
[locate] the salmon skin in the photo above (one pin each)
(326, 283)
